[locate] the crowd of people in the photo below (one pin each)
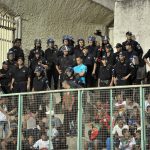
(89, 66)
(68, 67)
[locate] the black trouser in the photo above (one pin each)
(90, 80)
(20, 87)
(53, 73)
(122, 82)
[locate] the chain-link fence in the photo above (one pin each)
(81, 119)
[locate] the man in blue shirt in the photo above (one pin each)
(80, 71)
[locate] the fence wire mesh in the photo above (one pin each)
(98, 119)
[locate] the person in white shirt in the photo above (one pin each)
(127, 142)
(119, 127)
(43, 143)
(3, 119)
(120, 104)
(147, 102)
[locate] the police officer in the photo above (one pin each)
(71, 79)
(20, 77)
(40, 82)
(63, 63)
(105, 73)
(131, 55)
(122, 71)
(109, 55)
(37, 61)
(92, 48)
(51, 56)
(136, 46)
(5, 78)
(105, 42)
(119, 49)
(37, 48)
(11, 60)
(67, 41)
(79, 47)
(16, 49)
(89, 61)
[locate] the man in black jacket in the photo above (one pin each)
(51, 56)
(16, 49)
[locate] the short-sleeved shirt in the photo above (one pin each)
(21, 74)
(65, 62)
(105, 72)
(118, 130)
(40, 84)
(17, 51)
(130, 144)
(43, 144)
(6, 77)
(79, 69)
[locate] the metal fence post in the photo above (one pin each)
(111, 117)
(79, 138)
(19, 134)
(50, 119)
(142, 117)
(143, 114)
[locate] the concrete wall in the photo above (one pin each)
(44, 18)
(134, 16)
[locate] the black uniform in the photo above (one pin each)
(18, 52)
(121, 70)
(89, 61)
(5, 80)
(78, 51)
(20, 76)
(64, 63)
(34, 51)
(34, 63)
(51, 57)
(116, 56)
(40, 84)
(104, 48)
(105, 75)
(71, 51)
(93, 50)
(111, 59)
(135, 45)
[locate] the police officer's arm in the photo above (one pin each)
(28, 83)
(59, 71)
(112, 81)
(132, 71)
(147, 56)
(12, 82)
(94, 68)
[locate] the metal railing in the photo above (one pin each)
(86, 101)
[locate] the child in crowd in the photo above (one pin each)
(127, 142)
(120, 104)
(43, 143)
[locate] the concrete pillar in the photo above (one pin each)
(132, 15)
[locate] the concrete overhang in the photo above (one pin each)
(110, 4)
